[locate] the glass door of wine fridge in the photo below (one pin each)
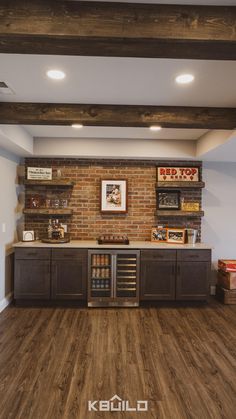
(126, 276)
(113, 278)
(100, 276)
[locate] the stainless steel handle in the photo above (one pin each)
(114, 276)
(111, 278)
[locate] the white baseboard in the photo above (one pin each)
(6, 301)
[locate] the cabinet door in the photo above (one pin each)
(192, 280)
(69, 279)
(32, 279)
(157, 280)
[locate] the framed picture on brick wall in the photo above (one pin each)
(168, 199)
(114, 193)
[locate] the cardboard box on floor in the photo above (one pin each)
(227, 280)
(227, 265)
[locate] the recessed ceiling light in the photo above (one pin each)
(155, 127)
(77, 126)
(184, 78)
(56, 74)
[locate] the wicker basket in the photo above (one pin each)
(225, 296)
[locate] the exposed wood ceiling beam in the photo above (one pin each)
(117, 115)
(117, 29)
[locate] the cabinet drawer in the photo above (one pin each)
(32, 253)
(201, 255)
(69, 253)
(158, 254)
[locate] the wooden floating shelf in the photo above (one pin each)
(178, 213)
(179, 184)
(55, 182)
(46, 211)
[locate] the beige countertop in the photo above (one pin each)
(92, 244)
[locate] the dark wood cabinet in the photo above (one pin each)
(193, 274)
(192, 283)
(178, 275)
(157, 280)
(61, 274)
(50, 274)
(32, 274)
(69, 274)
(193, 255)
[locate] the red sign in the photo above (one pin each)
(172, 174)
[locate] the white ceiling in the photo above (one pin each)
(110, 80)
(117, 81)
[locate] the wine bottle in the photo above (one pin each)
(50, 229)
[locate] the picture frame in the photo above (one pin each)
(176, 235)
(168, 199)
(114, 196)
(35, 201)
(159, 234)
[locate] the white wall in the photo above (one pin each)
(114, 148)
(211, 140)
(219, 203)
(16, 139)
(10, 214)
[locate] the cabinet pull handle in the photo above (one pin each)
(32, 254)
(178, 270)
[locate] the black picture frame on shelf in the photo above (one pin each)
(168, 199)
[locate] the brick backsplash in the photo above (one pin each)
(84, 198)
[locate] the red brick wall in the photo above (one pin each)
(87, 222)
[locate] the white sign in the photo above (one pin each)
(116, 404)
(39, 173)
(173, 174)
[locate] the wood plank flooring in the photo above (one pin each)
(181, 359)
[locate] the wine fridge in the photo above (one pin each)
(113, 278)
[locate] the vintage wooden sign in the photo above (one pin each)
(173, 174)
(39, 173)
